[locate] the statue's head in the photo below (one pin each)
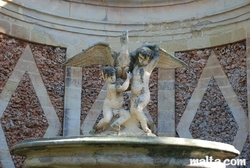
(124, 37)
(144, 57)
(109, 74)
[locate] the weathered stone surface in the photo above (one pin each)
(153, 105)
(116, 152)
(23, 118)
(245, 154)
(214, 120)
(187, 78)
(69, 21)
(22, 32)
(10, 51)
(92, 82)
(49, 62)
(233, 62)
(232, 58)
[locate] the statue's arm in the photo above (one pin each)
(155, 59)
(125, 85)
(133, 60)
(149, 45)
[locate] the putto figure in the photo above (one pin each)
(146, 62)
(140, 63)
(113, 103)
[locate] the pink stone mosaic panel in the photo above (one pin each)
(92, 83)
(49, 62)
(10, 51)
(214, 120)
(23, 118)
(186, 79)
(232, 58)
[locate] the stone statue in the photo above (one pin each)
(146, 62)
(122, 61)
(102, 54)
(113, 103)
(140, 63)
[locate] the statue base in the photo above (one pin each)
(129, 128)
(122, 152)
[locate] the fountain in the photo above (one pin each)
(124, 138)
(112, 151)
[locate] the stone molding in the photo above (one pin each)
(116, 152)
(75, 25)
(132, 3)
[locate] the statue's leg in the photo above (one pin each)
(107, 116)
(124, 116)
(137, 107)
(151, 125)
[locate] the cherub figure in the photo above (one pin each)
(113, 103)
(145, 62)
(140, 63)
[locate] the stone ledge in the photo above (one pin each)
(117, 151)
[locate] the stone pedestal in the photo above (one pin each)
(122, 152)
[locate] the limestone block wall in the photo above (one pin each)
(213, 37)
(178, 25)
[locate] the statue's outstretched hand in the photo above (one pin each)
(129, 75)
